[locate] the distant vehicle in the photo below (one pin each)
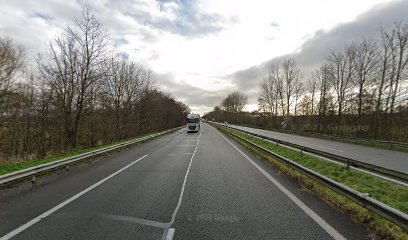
(193, 122)
(226, 123)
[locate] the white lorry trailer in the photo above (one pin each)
(193, 122)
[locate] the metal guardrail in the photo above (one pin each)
(331, 137)
(397, 217)
(347, 161)
(36, 170)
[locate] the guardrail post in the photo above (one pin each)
(348, 164)
(33, 179)
(301, 152)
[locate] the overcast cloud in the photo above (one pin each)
(204, 49)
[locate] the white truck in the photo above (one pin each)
(193, 122)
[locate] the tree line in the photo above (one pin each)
(230, 109)
(361, 91)
(81, 93)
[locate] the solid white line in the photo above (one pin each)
(186, 145)
(170, 234)
(64, 203)
(173, 217)
(140, 221)
(322, 223)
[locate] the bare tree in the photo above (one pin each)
(386, 49)
(276, 77)
(323, 77)
(341, 71)
(11, 61)
(267, 96)
(311, 86)
(365, 62)
(71, 71)
(401, 44)
(234, 102)
(299, 91)
(291, 80)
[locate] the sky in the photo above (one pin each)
(204, 49)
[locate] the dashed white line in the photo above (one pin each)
(170, 231)
(173, 217)
(64, 203)
(186, 145)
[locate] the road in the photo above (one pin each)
(182, 185)
(397, 161)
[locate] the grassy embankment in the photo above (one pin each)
(393, 195)
(19, 165)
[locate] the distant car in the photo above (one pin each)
(226, 123)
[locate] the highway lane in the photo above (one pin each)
(394, 160)
(195, 185)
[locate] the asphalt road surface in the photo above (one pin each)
(179, 186)
(393, 160)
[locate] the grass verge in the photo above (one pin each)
(6, 168)
(368, 143)
(392, 195)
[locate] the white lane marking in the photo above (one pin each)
(64, 203)
(177, 154)
(170, 234)
(140, 221)
(322, 223)
(185, 145)
(173, 216)
(328, 148)
(121, 218)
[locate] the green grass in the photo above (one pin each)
(393, 195)
(12, 167)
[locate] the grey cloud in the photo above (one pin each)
(275, 25)
(313, 52)
(43, 16)
(153, 55)
(189, 20)
(190, 95)
(117, 42)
